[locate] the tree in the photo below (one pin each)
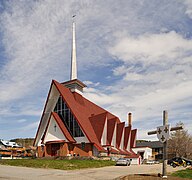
(180, 143)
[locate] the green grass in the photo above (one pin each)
(183, 173)
(57, 164)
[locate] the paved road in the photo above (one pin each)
(23, 173)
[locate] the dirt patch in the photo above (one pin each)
(149, 177)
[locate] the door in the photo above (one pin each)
(54, 149)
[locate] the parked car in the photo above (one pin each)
(178, 161)
(188, 161)
(123, 161)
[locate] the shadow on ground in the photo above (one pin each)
(148, 177)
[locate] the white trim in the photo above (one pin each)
(51, 102)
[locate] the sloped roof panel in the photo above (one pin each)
(110, 129)
(126, 136)
(98, 122)
(120, 128)
(133, 137)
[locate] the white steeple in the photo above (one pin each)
(74, 84)
(73, 55)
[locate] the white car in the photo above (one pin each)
(123, 161)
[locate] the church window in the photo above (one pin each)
(68, 119)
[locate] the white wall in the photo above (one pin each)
(135, 161)
(53, 97)
(147, 151)
(122, 140)
(113, 142)
(104, 135)
(53, 134)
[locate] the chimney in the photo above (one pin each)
(129, 119)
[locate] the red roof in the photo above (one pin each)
(90, 117)
(126, 136)
(114, 151)
(82, 110)
(133, 137)
(110, 129)
(120, 127)
(98, 122)
(131, 154)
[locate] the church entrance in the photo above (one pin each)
(54, 149)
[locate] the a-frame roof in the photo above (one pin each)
(82, 109)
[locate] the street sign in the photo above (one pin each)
(163, 133)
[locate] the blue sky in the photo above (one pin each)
(135, 56)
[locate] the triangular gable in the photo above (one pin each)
(127, 136)
(56, 131)
(120, 127)
(49, 106)
(98, 123)
(133, 137)
(110, 129)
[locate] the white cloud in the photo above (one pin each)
(21, 120)
(90, 83)
(30, 126)
(189, 8)
(151, 48)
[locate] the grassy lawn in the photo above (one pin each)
(183, 173)
(57, 164)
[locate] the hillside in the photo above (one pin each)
(25, 142)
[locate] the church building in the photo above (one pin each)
(71, 125)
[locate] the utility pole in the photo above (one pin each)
(163, 135)
(165, 122)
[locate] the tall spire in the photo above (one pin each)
(73, 54)
(74, 84)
